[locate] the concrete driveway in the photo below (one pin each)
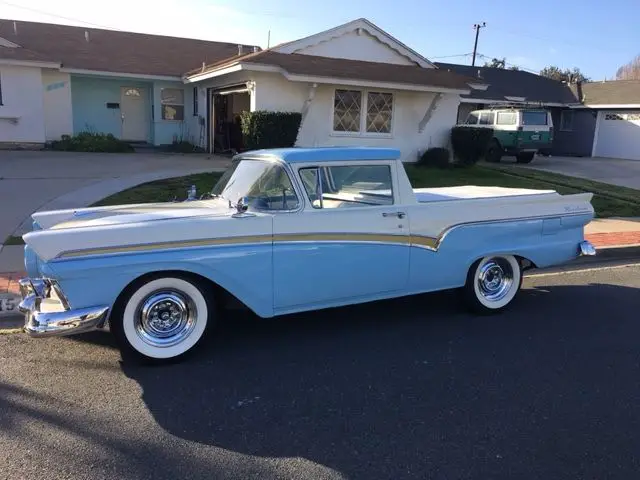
(33, 181)
(625, 173)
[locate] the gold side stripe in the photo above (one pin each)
(415, 240)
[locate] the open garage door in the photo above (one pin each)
(618, 134)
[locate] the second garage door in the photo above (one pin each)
(618, 134)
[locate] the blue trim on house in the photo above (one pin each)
(90, 95)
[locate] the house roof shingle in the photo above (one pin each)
(514, 83)
(615, 92)
(316, 66)
(110, 50)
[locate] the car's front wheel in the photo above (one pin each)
(492, 283)
(162, 318)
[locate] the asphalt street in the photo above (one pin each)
(410, 388)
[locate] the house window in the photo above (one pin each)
(507, 118)
(566, 120)
(486, 118)
(347, 106)
(379, 112)
(355, 111)
(172, 103)
(132, 92)
(195, 101)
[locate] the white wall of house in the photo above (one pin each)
(58, 115)
(273, 92)
(357, 46)
(22, 100)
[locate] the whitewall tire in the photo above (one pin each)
(162, 318)
(492, 283)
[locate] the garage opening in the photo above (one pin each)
(227, 104)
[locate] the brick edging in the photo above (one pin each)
(617, 239)
(9, 282)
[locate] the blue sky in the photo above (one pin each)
(593, 35)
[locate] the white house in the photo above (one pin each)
(354, 85)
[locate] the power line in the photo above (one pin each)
(521, 67)
(55, 15)
(452, 56)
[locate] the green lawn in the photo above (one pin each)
(609, 200)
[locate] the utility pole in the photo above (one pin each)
(476, 27)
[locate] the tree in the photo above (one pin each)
(629, 71)
(565, 75)
(500, 63)
(496, 63)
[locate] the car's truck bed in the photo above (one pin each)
(471, 192)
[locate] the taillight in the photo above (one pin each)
(550, 133)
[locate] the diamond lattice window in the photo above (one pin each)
(379, 112)
(347, 107)
(613, 116)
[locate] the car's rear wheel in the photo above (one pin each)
(492, 283)
(494, 152)
(162, 318)
(525, 157)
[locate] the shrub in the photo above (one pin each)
(435, 158)
(91, 142)
(263, 129)
(470, 143)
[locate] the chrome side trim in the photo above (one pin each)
(420, 241)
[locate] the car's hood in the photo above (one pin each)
(65, 233)
(123, 214)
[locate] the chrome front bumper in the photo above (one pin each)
(586, 249)
(47, 312)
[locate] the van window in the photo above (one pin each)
(472, 119)
(534, 118)
(507, 118)
(486, 118)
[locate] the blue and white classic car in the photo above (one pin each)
(285, 231)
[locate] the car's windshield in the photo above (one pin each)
(534, 118)
(266, 185)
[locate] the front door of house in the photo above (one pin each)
(133, 114)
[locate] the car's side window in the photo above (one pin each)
(486, 118)
(472, 119)
(273, 190)
(348, 186)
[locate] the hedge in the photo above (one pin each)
(470, 143)
(264, 129)
(435, 157)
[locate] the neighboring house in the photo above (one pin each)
(590, 119)
(58, 79)
(354, 85)
(608, 115)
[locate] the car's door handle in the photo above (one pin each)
(394, 214)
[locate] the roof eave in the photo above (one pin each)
(29, 63)
(256, 67)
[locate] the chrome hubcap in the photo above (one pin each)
(165, 318)
(495, 279)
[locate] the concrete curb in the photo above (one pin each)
(605, 255)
